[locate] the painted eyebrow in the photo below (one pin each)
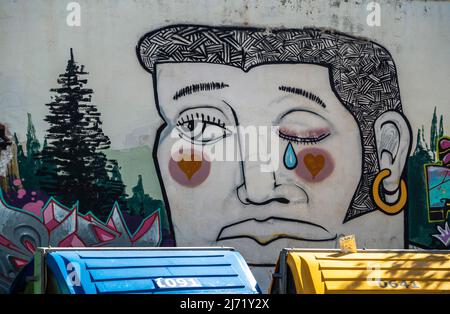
(304, 93)
(194, 88)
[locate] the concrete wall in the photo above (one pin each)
(354, 87)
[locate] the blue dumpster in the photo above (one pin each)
(141, 270)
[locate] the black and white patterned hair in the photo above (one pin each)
(362, 73)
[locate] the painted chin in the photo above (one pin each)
(191, 170)
(314, 164)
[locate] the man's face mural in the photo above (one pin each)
(332, 140)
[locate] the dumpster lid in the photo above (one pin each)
(150, 270)
(369, 271)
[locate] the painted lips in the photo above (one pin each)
(268, 230)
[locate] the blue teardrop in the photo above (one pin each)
(289, 158)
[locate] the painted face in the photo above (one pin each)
(233, 202)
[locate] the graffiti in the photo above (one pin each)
(70, 167)
(21, 191)
(443, 235)
(438, 192)
(22, 231)
(444, 151)
(5, 151)
(428, 181)
(336, 102)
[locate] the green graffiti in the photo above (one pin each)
(422, 224)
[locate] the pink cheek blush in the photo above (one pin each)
(314, 164)
(191, 170)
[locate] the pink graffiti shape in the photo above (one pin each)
(49, 216)
(6, 243)
(444, 144)
(17, 182)
(21, 193)
(103, 235)
(30, 246)
(71, 241)
(34, 207)
(446, 159)
(111, 224)
(18, 262)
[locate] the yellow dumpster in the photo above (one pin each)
(366, 271)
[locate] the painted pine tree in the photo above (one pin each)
(29, 163)
(74, 168)
(142, 204)
(115, 189)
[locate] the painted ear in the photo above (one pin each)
(393, 141)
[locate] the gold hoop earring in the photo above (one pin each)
(388, 208)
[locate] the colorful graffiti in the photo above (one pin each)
(67, 192)
(71, 165)
(429, 182)
(22, 231)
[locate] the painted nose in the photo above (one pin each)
(259, 186)
(264, 187)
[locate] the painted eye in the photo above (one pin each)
(304, 127)
(205, 127)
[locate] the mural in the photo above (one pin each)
(67, 192)
(429, 182)
(336, 104)
(334, 159)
